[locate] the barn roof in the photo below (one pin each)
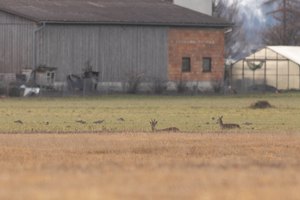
(290, 52)
(134, 12)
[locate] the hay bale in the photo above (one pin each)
(261, 105)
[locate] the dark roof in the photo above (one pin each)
(139, 12)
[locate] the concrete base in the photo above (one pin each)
(149, 87)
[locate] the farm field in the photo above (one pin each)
(133, 113)
(150, 166)
(52, 149)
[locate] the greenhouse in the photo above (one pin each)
(270, 68)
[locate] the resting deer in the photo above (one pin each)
(226, 126)
(153, 124)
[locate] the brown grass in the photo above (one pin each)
(150, 166)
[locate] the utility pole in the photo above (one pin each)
(284, 21)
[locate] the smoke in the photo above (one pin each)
(253, 9)
(254, 20)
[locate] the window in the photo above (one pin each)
(206, 65)
(50, 77)
(186, 64)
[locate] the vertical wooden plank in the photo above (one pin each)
(277, 70)
(265, 70)
(15, 43)
(243, 75)
(298, 76)
(288, 75)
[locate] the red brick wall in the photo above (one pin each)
(196, 44)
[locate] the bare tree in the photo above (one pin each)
(286, 27)
(235, 40)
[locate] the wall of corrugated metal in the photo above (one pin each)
(114, 51)
(16, 36)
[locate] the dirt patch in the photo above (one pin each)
(261, 105)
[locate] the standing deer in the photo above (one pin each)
(226, 126)
(153, 124)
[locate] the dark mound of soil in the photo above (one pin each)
(261, 105)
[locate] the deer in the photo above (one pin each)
(226, 126)
(153, 124)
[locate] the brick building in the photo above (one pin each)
(153, 38)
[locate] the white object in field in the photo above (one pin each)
(28, 91)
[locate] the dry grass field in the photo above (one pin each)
(150, 166)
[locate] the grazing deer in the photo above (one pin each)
(226, 126)
(153, 124)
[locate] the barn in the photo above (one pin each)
(270, 68)
(150, 40)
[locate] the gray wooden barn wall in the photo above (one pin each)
(114, 51)
(16, 35)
